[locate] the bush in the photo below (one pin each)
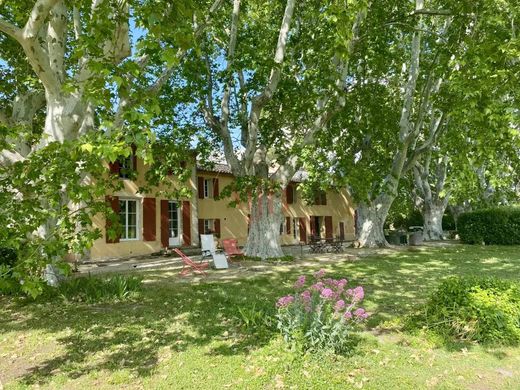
(8, 256)
(321, 316)
(483, 310)
(94, 289)
(8, 284)
(448, 222)
(496, 226)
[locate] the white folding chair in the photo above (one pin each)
(207, 243)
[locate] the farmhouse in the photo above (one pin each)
(149, 223)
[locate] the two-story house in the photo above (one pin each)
(149, 223)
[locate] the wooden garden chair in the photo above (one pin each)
(190, 266)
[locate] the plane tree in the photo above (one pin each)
(266, 79)
(81, 83)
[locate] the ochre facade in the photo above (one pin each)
(164, 222)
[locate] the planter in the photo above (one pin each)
(416, 238)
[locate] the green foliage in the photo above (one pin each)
(8, 256)
(495, 226)
(484, 310)
(254, 318)
(96, 289)
(448, 222)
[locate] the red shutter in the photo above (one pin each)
(201, 226)
(313, 227)
(341, 231)
(288, 225)
(149, 229)
(186, 222)
(303, 230)
(113, 203)
(215, 188)
(114, 167)
(217, 227)
(329, 233)
(289, 194)
(165, 239)
(200, 186)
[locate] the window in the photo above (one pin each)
(209, 226)
(128, 218)
(320, 198)
(290, 194)
(295, 228)
(126, 167)
(208, 188)
(282, 228)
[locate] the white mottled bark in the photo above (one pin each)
(371, 219)
(433, 204)
(432, 214)
(264, 227)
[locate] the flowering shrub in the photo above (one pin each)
(320, 315)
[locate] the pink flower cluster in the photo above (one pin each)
(285, 301)
(317, 295)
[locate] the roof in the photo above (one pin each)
(298, 177)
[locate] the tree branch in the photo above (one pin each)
(286, 171)
(37, 18)
(260, 100)
(443, 12)
(10, 29)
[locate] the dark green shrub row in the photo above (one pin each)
(484, 310)
(496, 226)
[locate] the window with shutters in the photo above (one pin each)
(209, 226)
(129, 219)
(208, 188)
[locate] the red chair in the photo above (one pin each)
(231, 249)
(190, 266)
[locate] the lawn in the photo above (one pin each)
(185, 335)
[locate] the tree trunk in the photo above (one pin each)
(371, 219)
(264, 227)
(67, 116)
(432, 227)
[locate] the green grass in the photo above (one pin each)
(189, 335)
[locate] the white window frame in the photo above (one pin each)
(208, 188)
(124, 232)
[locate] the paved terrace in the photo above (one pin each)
(303, 258)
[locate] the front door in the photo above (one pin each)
(174, 228)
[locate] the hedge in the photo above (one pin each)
(495, 226)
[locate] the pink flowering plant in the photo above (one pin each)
(321, 313)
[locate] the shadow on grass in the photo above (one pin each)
(176, 316)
